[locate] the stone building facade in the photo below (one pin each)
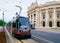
(45, 15)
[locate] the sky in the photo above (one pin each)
(10, 8)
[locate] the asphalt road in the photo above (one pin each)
(50, 36)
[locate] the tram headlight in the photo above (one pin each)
(29, 30)
(25, 28)
(20, 30)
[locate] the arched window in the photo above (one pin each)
(31, 17)
(34, 16)
(58, 24)
(43, 23)
(43, 16)
(50, 24)
(58, 15)
(50, 15)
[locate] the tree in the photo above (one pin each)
(1, 22)
(9, 23)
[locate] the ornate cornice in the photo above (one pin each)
(50, 3)
(34, 6)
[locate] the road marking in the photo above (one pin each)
(53, 37)
(29, 41)
(41, 39)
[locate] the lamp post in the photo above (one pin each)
(3, 17)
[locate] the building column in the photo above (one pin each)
(40, 17)
(30, 18)
(33, 17)
(47, 17)
(54, 14)
(37, 19)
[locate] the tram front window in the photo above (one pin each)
(24, 23)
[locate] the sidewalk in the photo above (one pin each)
(2, 37)
(10, 38)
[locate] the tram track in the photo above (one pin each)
(18, 41)
(29, 40)
(21, 41)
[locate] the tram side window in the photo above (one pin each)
(14, 25)
(19, 23)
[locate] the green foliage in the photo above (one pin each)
(58, 28)
(1, 22)
(9, 23)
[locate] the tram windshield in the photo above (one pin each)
(24, 21)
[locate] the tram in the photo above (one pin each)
(21, 28)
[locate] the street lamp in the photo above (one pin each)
(3, 17)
